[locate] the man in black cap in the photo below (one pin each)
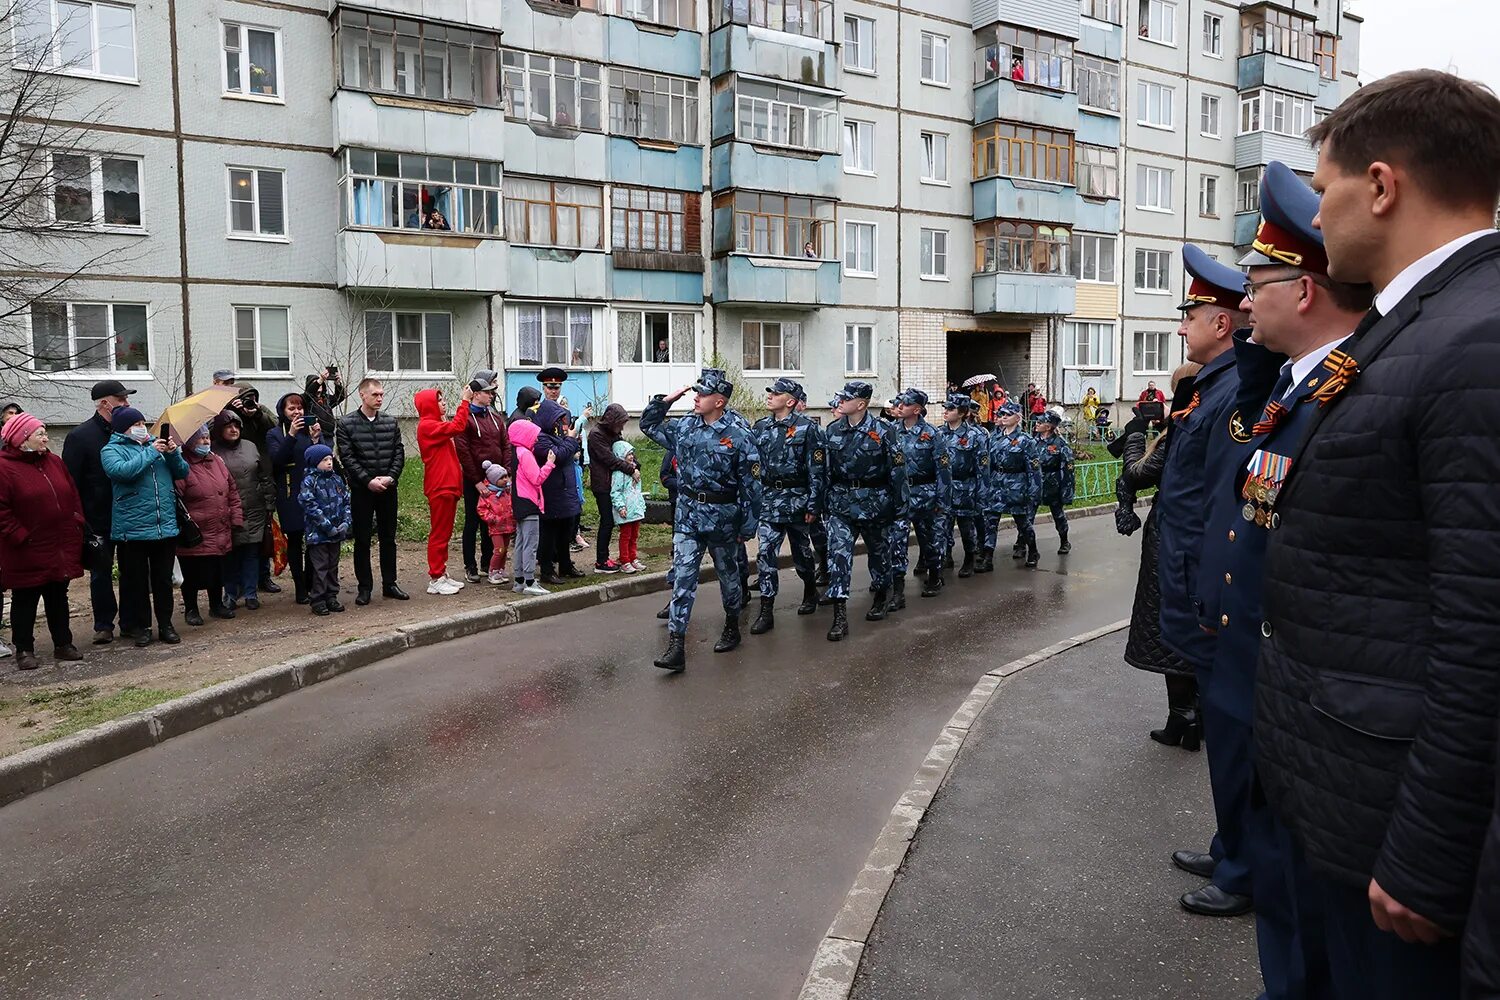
(552, 380)
(80, 454)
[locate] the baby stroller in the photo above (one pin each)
(1102, 431)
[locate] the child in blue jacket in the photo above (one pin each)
(326, 512)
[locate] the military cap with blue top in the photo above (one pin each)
(913, 397)
(1009, 408)
(789, 386)
(857, 390)
(714, 382)
(1286, 235)
(1213, 284)
(956, 402)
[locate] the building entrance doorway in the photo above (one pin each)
(1006, 354)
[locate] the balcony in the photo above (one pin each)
(1019, 198)
(742, 279)
(741, 164)
(1098, 216)
(421, 261)
(649, 285)
(1020, 103)
(557, 273)
(639, 162)
(386, 121)
(473, 13)
(1245, 225)
(1259, 148)
(1266, 69)
(776, 55)
(677, 51)
(561, 29)
(1024, 294)
(560, 153)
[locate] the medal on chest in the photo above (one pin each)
(1266, 472)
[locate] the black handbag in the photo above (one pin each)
(93, 550)
(189, 535)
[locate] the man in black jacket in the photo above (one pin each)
(80, 454)
(1378, 686)
(373, 455)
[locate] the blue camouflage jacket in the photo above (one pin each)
(791, 468)
(928, 479)
(718, 458)
(326, 511)
(966, 449)
(1015, 473)
(1056, 457)
(866, 471)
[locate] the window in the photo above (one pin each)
(1088, 345)
(1208, 196)
(1247, 186)
(1153, 104)
(1153, 188)
(777, 225)
(89, 337)
(656, 338)
(1006, 52)
(1098, 83)
(1213, 35)
(935, 253)
(1208, 115)
(1157, 20)
(859, 147)
(1250, 105)
(669, 13)
(78, 36)
(387, 190)
(1098, 171)
(859, 44)
(95, 189)
(1151, 270)
(257, 202)
(262, 339)
(554, 213)
(812, 18)
(547, 91)
(647, 220)
(935, 157)
(859, 249)
(1010, 150)
(1269, 29)
(1273, 111)
(555, 335)
(648, 106)
(934, 58)
(436, 62)
(252, 60)
(859, 349)
(770, 347)
(408, 342)
(782, 115)
(1326, 54)
(1101, 10)
(1094, 258)
(1021, 248)
(1150, 352)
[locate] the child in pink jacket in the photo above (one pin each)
(527, 503)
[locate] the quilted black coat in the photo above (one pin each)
(1379, 681)
(1482, 942)
(1143, 646)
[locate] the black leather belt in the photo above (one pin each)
(708, 496)
(798, 483)
(963, 479)
(921, 480)
(882, 481)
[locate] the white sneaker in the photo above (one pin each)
(534, 590)
(519, 588)
(628, 568)
(457, 583)
(640, 564)
(498, 578)
(4, 649)
(442, 587)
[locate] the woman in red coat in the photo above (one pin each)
(213, 502)
(442, 479)
(41, 537)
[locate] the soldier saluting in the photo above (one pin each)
(791, 479)
(718, 504)
(866, 493)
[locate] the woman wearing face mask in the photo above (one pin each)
(213, 502)
(41, 537)
(143, 522)
(252, 477)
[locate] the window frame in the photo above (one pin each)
(259, 368)
(1263, 107)
(475, 196)
(396, 371)
(1079, 257)
(620, 220)
(483, 48)
(815, 225)
(782, 326)
(930, 144)
(553, 183)
(929, 255)
(49, 59)
(1084, 75)
(1144, 270)
(852, 246)
(97, 192)
(246, 67)
(70, 313)
(1146, 9)
(1283, 33)
(814, 120)
(1218, 116)
(621, 8)
(572, 311)
(1327, 59)
(1151, 178)
(257, 235)
(1247, 189)
(1046, 61)
(1213, 40)
(1085, 170)
(682, 108)
(927, 51)
(1208, 196)
(722, 12)
(859, 138)
(859, 67)
(1023, 144)
(648, 356)
(1101, 343)
(852, 334)
(1138, 354)
(1043, 248)
(1099, 10)
(581, 84)
(1168, 94)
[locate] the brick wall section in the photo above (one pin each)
(924, 350)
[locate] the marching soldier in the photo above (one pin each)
(718, 504)
(791, 480)
(866, 493)
(818, 528)
(929, 484)
(1015, 486)
(1058, 482)
(968, 456)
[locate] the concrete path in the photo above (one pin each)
(531, 813)
(1042, 870)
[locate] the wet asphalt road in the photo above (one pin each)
(531, 813)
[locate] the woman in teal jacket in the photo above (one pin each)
(144, 522)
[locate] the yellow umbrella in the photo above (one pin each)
(195, 411)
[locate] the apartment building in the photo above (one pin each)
(908, 193)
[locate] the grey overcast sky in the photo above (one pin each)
(1456, 35)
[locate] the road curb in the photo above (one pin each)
(836, 961)
(40, 767)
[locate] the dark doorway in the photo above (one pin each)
(1004, 354)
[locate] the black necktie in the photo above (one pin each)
(1282, 385)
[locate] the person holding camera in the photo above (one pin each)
(299, 428)
(321, 393)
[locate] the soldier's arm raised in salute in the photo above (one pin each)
(654, 423)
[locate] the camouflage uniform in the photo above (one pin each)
(966, 449)
(866, 493)
(930, 486)
(792, 486)
(1015, 485)
(1056, 459)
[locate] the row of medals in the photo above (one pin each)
(1260, 497)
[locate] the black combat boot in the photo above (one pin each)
(840, 627)
(809, 603)
(766, 620)
(934, 583)
(948, 560)
(1066, 546)
(821, 580)
(877, 607)
(664, 613)
(674, 658)
(986, 562)
(730, 637)
(1018, 550)
(898, 595)
(1032, 555)
(967, 569)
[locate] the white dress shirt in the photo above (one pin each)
(1390, 296)
(1304, 366)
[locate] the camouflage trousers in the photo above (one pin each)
(1025, 531)
(841, 535)
(687, 561)
(819, 531)
(768, 560)
(969, 529)
(929, 532)
(1059, 517)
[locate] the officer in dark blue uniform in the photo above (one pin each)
(1298, 312)
(1014, 488)
(929, 483)
(966, 450)
(718, 504)
(1210, 314)
(791, 479)
(867, 492)
(1058, 483)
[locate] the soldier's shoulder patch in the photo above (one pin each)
(817, 454)
(899, 458)
(1237, 429)
(942, 459)
(755, 470)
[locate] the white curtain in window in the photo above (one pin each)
(684, 339)
(581, 338)
(628, 332)
(791, 346)
(529, 336)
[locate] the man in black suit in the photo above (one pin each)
(1379, 681)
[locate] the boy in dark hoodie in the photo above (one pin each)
(328, 517)
(442, 479)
